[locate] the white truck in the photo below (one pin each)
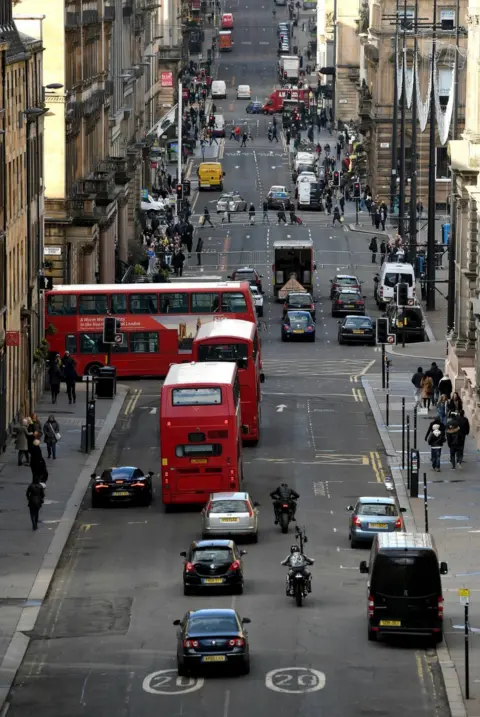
(289, 67)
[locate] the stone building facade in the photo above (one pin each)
(376, 90)
(463, 362)
(21, 229)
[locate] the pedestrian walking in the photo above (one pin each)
(251, 213)
(426, 385)
(70, 374)
(198, 250)
(51, 433)
(35, 497)
(455, 440)
(383, 250)
(455, 404)
(417, 383)
(442, 410)
(373, 247)
(55, 377)
(244, 140)
(342, 204)
(226, 217)
(206, 217)
(436, 439)
(445, 387)
(265, 219)
(21, 442)
(37, 461)
(281, 217)
(437, 375)
(336, 216)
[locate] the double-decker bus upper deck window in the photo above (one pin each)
(118, 304)
(223, 352)
(93, 304)
(174, 303)
(143, 304)
(205, 303)
(233, 303)
(62, 305)
(210, 396)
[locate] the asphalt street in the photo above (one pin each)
(105, 644)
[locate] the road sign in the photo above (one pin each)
(295, 680)
(118, 338)
(391, 339)
(167, 682)
(464, 595)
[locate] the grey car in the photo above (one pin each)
(230, 514)
(373, 515)
(232, 201)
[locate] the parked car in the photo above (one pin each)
(372, 515)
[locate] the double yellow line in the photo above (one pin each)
(376, 462)
(357, 394)
(132, 402)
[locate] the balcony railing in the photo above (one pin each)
(90, 17)
(108, 13)
(72, 20)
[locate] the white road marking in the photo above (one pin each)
(281, 407)
(153, 410)
(158, 683)
(226, 704)
(295, 680)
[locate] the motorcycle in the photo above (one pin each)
(284, 514)
(299, 585)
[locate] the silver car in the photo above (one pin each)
(230, 514)
(371, 516)
(232, 201)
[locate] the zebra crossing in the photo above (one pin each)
(316, 367)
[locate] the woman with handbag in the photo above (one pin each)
(51, 432)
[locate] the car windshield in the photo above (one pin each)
(415, 576)
(205, 625)
(358, 322)
(349, 298)
(229, 506)
(211, 555)
(245, 276)
(304, 300)
(386, 509)
(394, 278)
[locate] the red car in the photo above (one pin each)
(344, 281)
(248, 274)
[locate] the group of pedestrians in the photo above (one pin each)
(450, 425)
(63, 369)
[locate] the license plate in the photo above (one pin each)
(205, 185)
(198, 460)
(298, 331)
(349, 306)
(390, 623)
(358, 331)
(214, 658)
(229, 520)
(377, 525)
(213, 581)
(120, 493)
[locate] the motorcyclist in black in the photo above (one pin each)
(293, 561)
(284, 494)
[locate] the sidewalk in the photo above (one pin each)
(28, 560)
(454, 521)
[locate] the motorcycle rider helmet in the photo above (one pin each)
(294, 549)
(284, 486)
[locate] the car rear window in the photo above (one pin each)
(347, 281)
(245, 276)
(414, 318)
(299, 320)
(211, 555)
(229, 506)
(377, 509)
(412, 576)
(358, 322)
(349, 298)
(222, 352)
(206, 625)
(305, 300)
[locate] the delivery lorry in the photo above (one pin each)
(289, 67)
(293, 260)
(276, 100)
(225, 41)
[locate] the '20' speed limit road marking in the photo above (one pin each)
(295, 680)
(166, 682)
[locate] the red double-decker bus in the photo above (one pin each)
(158, 321)
(236, 340)
(200, 432)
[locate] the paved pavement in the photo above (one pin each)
(28, 560)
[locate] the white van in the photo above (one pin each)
(304, 194)
(219, 90)
(392, 274)
(243, 92)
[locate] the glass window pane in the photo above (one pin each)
(118, 304)
(144, 342)
(197, 396)
(174, 303)
(62, 305)
(91, 343)
(71, 343)
(143, 303)
(121, 348)
(205, 303)
(233, 303)
(93, 304)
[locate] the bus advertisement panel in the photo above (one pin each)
(200, 432)
(158, 321)
(236, 340)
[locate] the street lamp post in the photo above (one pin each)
(403, 104)
(413, 152)
(431, 178)
(393, 177)
(179, 147)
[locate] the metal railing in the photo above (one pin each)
(345, 262)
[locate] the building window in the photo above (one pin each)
(445, 81)
(447, 19)
(442, 166)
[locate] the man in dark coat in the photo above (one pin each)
(70, 374)
(35, 496)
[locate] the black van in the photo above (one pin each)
(404, 589)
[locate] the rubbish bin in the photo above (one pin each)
(106, 383)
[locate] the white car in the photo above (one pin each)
(257, 299)
(152, 205)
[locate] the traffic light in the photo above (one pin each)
(356, 190)
(289, 95)
(402, 294)
(382, 331)
(336, 179)
(111, 327)
(179, 191)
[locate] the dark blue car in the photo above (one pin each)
(298, 325)
(254, 108)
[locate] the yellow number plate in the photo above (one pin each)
(358, 331)
(229, 520)
(214, 658)
(213, 581)
(198, 460)
(390, 623)
(118, 493)
(298, 331)
(377, 525)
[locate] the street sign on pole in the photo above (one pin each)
(118, 338)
